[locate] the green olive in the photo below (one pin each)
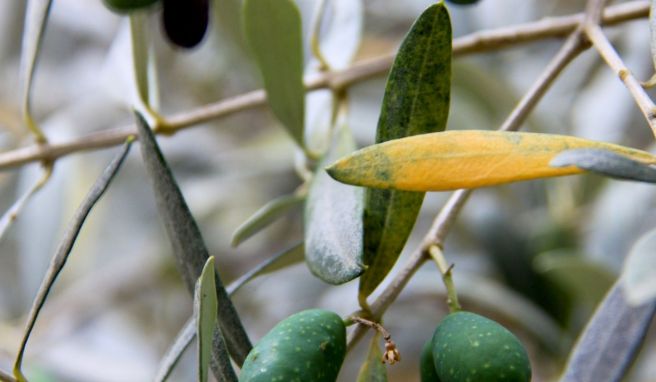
(127, 6)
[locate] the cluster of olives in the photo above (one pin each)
(185, 22)
(311, 346)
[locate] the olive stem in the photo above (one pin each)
(615, 62)
(447, 277)
(483, 41)
(315, 46)
(391, 354)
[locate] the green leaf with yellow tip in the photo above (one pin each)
(465, 159)
(333, 221)
(273, 31)
(416, 101)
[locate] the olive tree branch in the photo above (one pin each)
(614, 61)
(442, 224)
(483, 41)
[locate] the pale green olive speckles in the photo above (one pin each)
(469, 348)
(307, 346)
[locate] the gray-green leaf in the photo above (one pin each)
(180, 344)
(639, 273)
(205, 314)
(610, 341)
(35, 24)
(66, 246)
(416, 101)
(273, 31)
(372, 369)
(606, 163)
(187, 242)
(266, 215)
(333, 221)
(291, 256)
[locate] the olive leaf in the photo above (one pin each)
(416, 101)
(639, 273)
(333, 221)
(606, 163)
(178, 346)
(208, 333)
(373, 369)
(187, 242)
(266, 215)
(465, 159)
(205, 314)
(12, 213)
(35, 24)
(273, 32)
(64, 249)
(291, 256)
(610, 341)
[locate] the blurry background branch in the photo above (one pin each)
(483, 41)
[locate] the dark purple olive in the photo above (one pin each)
(185, 21)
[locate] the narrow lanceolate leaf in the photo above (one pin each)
(36, 19)
(188, 245)
(173, 354)
(273, 31)
(611, 340)
(465, 159)
(64, 249)
(205, 308)
(289, 257)
(416, 101)
(333, 222)
(606, 163)
(12, 213)
(266, 215)
(639, 273)
(373, 369)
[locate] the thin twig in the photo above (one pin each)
(447, 277)
(315, 46)
(593, 12)
(614, 61)
(4, 377)
(442, 224)
(392, 354)
(483, 41)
